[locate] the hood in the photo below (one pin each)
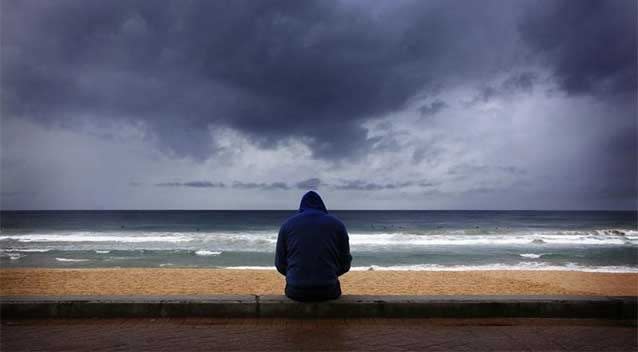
(312, 200)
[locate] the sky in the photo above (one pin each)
(392, 104)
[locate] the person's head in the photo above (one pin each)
(312, 200)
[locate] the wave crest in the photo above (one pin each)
(265, 240)
(207, 253)
(522, 266)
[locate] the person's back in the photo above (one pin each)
(312, 252)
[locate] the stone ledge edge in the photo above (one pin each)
(348, 306)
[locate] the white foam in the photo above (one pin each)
(11, 255)
(26, 250)
(204, 252)
(264, 241)
(250, 267)
(91, 237)
(102, 252)
(71, 260)
(522, 266)
(433, 240)
(531, 255)
(579, 238)
(110, 259)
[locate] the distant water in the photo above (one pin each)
(381, 240)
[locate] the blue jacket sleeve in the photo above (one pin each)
(345, 259)
(281, 255)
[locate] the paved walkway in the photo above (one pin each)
(195, 334)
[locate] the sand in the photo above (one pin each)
(146, 281)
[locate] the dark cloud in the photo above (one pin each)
(433, 108)
(483, 95)
(522, 82)
(169, 184)
(273, 70)
(590, 45)
(431, 154)
(361, 185)
(483, 190)
(513, 170)
(389, 142)
(261, 186)
(430, 151)
(311, 183)
(465, 170)
(204, 184)
(418, 155)
(193, 184)
(319, 73)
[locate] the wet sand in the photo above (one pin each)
(148, 281)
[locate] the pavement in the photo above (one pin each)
(371, 334)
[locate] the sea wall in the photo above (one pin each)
(348, 306)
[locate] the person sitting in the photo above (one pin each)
(313, 250)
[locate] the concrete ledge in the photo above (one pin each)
(455, 307)
(128, 306)
(345, 307)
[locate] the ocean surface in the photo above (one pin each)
(379, 240)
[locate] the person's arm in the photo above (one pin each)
(281, 255)
(345, 259)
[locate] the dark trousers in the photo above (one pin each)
(313, 294)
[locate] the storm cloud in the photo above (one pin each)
(179, 69)
(343, 96)
(433, 108)
(309, 184)
(590, 45)
(193, 184)
(261, 186)
(361, 185)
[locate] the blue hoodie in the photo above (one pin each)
(312, 247)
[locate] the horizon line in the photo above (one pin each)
(537, 210)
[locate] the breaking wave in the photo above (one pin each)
(206, 253)
(264, 241)
(94, 237)
(522, 266)
(531, 255)
(71, 260)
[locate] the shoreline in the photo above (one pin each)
(207, 281)
(611, 269)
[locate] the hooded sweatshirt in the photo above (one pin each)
(312, 247)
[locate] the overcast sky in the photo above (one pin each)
(376, 104)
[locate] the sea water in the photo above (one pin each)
(379, 240)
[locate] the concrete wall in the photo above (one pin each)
(344, 307)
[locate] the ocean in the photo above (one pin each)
(380, 240)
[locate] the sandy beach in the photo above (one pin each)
(145, 281)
